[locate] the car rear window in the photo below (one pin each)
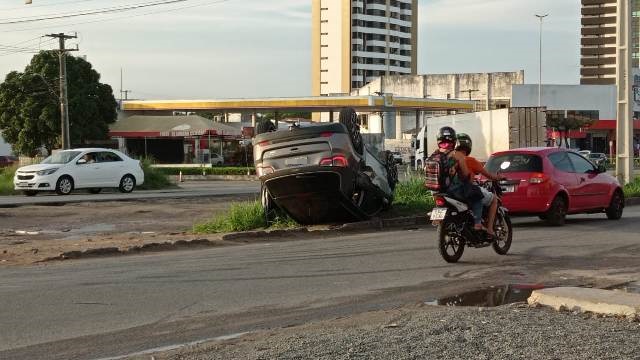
(516, 162)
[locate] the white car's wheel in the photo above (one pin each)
(127, 184)
(64, 186)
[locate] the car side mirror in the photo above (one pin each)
(81, 161)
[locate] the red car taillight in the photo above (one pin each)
(338, 160)
(326, 134)
(538, 178)
(440, 201)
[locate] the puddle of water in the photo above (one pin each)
(489, 297)
(630, 287)
(93, 228)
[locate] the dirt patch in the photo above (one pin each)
(30, 234)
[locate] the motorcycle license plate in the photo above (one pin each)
(438, 213)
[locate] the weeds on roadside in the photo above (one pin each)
(153, 178)
(632, 189)
(411, 197)
(6, 180)
(243, 216)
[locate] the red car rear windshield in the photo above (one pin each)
(516, 163)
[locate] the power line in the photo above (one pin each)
(45, 5)
(87, 12)
(208, 3)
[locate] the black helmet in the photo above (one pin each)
(446, 134)
(464, 143)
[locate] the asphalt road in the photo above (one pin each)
(185, 190)
(109, 307)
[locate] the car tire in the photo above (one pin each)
(616, 206)
(349, 119)
(95, 190)
(64, 185)
(264, 126)
(392, 170)
(127, 184)
(557, 212)
(30, 192)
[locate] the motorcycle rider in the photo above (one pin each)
(475, 168)
(460, 174)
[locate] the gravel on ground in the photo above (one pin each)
(514, 331)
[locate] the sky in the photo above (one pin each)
(202, 49)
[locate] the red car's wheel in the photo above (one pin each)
(616, 206)
(557, 211)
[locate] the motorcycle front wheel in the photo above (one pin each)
(504, 233)
(450, 244)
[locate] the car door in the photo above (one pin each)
(564, 174)
(592, 185)
(85, 174)
(112, 168)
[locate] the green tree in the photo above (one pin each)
(564, 124)
(30, 110)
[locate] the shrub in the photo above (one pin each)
(411, 196)
(207, 170)
(153, 179)
(632, 189)
(6, 180)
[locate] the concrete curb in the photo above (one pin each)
(632, 201)
(598, 301)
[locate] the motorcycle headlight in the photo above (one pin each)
(47, 171)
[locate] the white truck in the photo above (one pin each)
(491, 131)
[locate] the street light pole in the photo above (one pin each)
(541, 17)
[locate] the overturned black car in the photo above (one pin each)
(322, 173)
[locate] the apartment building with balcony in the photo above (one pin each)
(598, 42)
(356, 41)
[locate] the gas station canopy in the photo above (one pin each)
(385, 102)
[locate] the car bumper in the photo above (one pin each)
(315, 194)
(37, 183)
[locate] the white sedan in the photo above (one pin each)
(91, 169)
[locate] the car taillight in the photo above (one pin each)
(326, 134)
(264, 170)
(338, 160)
(538, 178)
(440, 201)
(264, 143)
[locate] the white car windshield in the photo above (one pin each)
(62, 157)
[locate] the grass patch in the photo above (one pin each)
(153, 179)
(6, 180)
(632, 189)
(242, 216)
(207, 170)
(411, 198)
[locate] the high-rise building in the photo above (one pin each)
(598, 44)
(356, 41)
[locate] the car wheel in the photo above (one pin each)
(557, 212)
(616, 206)
(265, 126)
(349, 119)
(95, 190)
(127, 184)
(30, 192)
(64, 186)
(392, 171)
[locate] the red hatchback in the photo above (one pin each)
(554, 182)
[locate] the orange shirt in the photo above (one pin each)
(473, 165)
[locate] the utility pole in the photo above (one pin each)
(624, 124)
(64, 103)
(541, 17)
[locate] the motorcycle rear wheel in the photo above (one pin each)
(450, 245)
(504, 233)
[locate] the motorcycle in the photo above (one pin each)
(455, 221)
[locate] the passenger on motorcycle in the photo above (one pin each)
(475, 168)
(459, 173)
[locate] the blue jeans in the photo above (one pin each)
(476, 206)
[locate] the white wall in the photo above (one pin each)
(568, 97)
